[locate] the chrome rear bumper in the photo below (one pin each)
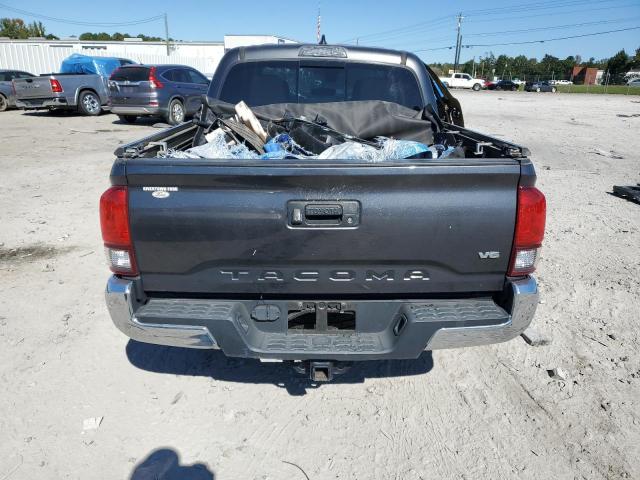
(121, 296)
(236, 335)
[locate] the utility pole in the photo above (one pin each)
(319, 29)
(166, 32)
(458, 43)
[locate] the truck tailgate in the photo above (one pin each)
(36, 87)
(322, 230)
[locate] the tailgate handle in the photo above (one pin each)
(323, 212)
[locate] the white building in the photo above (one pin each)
(44, 56)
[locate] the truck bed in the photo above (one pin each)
(402, 228)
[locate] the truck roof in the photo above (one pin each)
(344, 52)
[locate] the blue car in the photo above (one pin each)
(172, 92)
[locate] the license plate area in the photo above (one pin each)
(321, 317)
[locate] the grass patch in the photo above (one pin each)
(599, 89)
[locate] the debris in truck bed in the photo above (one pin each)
(217, 147)
(243, 136)
(250, 120)
(628, 192)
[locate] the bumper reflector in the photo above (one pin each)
(118, 260)
(525, 260)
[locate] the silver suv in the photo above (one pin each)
(169, 91)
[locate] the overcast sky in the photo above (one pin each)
(404, 24)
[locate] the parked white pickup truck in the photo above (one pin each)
(463, 80)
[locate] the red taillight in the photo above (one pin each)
(113, 73)
(114, 222)
(153, 80)
(530, 220)
(55, 85)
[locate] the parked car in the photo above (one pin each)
(170, 91)
(7, 93)
(563, 82)
(462, 80)
(539, 87)
(504, 85)
(81, 85)
(634, 82)
(263, 257)
(489, 84)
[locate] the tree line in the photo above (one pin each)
(549, 68)
(16, 28)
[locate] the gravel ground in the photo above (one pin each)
(487, 412)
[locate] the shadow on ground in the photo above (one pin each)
(214, 364)
(164, 464)
(147, 121)
(142, 121)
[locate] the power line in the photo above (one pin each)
(530, 41)
(556, 27)
(410, 29)
(515, 32)
(433, 26)
(78, 22)
(405, 28)
(400, 43)
(568, 12)
(533, 7)
(552, 39)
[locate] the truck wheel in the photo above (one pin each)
(476, 87)
(175, 115)
(4, 104)
(89, 104)
(128, 118)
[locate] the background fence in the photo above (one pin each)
(39, 59)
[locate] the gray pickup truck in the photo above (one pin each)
(323, 262)
(86, 93)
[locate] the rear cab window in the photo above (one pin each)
(264, 83)
(131, 74)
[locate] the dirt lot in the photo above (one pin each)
(489, 412)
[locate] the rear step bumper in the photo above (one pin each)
(36, 103)
(385, 329)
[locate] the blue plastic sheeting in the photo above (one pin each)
(78, 63)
